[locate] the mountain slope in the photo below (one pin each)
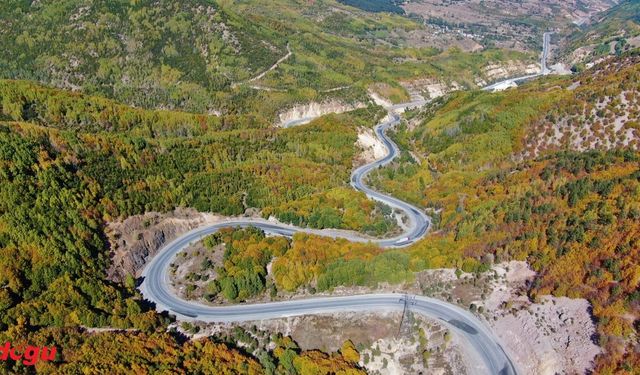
(201, 56)
(70, 163)
(570, 209)
(610, 33)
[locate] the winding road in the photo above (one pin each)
(481, 346)
(546, 39)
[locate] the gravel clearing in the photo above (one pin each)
(552, 336)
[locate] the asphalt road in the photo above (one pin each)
(480, 346)
(483, 351)
(546, 38)
(484, 354)
(418, 221)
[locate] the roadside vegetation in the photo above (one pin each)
(244, 270)
(70, 163)
(574, 216)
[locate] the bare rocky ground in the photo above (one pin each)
(372, 148)
(313, 110)
(138, 238)
(379, 99)
(549, 336)
(498, 71)
(420, 347)
(429, 88)
(194, 268)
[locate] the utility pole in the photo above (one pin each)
(407, 300)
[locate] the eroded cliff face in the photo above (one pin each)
(370, 145)
(306, 112)
(508, 69)
(429, 88)
(138, 238)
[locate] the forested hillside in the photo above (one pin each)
(137, 352)
(110, 109)
(571, 210)
(200, 56)
(70, 163)
(145, 160)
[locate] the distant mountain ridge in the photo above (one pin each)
(375, 5)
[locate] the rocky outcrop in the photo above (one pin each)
(138, 238)
(307, 112)
(379, 99)
(496, 72)
(552, 335)
(371, 146)
(429, 88)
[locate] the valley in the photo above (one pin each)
(320, 187)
